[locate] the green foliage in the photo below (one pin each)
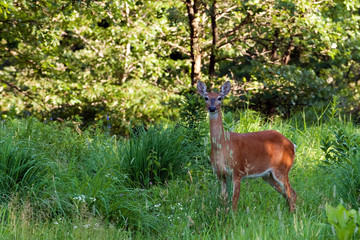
(87, 192)
(343, 160)
(346, 223)
(63, 174)
(347, 180)
(192, 112)
(340, 149)
(154, 155)
(85, 59)
(193, 118)
(89, 60)
(20, 169)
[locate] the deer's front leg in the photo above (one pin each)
(236, 191)
(224, 193)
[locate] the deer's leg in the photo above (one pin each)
(270, 180)
(224, 193)
(236, 190)
(288, 191)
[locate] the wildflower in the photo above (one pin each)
(180, 206)
(80, 198)
(86, 225)
(75, 227)
(108, 175)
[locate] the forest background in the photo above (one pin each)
(138, 61)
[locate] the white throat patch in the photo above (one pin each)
(213, 115)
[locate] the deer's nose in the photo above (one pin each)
(212, 108)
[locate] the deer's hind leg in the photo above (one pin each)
(275, 184)
(287, 191)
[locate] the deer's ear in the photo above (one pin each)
(201, 87)
(225, 89)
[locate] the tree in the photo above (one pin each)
(132, 61)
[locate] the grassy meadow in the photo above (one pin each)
(60, 182)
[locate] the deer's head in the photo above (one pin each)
(213, 100)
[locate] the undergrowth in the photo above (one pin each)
(60, 182)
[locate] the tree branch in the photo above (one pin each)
(235, 29)
(182, 49)
(218, 17)
(22, 92)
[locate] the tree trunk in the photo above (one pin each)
(195, 54)
(214, 39)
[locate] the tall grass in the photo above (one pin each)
(342, 160)
(90, 185)
(154, 155)
(63, 173)
(20, 169)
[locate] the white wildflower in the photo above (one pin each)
(80, 198)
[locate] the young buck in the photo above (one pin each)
(266, 154)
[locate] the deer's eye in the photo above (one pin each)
(219, 98)
(206, 98)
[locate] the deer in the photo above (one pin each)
(267, 154)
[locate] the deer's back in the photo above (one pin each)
(256, 152)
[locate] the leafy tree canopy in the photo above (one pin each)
(127, 60)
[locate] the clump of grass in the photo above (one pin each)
(155, 155)
(21, 170)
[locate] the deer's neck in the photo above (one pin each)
(217, 133)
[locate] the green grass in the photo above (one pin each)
(71, 184)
